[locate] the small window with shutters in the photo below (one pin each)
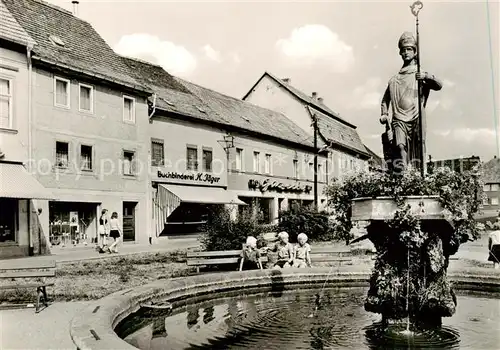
(157, 153)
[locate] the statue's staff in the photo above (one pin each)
(415, 9)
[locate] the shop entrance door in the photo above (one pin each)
(129, 221)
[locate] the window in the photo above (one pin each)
(5, 103)
(486, 188)
(239, 159)
(8, 219)
(62, 154)
(295, 168)
(485, 200)
(128, 163)
(320, 172)
(495, 187)
(207, 160)
(256, 162)
(61, 88)
(494, 200)
(311, 167)
(267, 164)
(157, 153)
(128, 109)
(86, 98)
(86, 157)
(192, 158)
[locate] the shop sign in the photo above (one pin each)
(269, 185)
(198, 177)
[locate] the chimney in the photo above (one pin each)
(286, 80)
(314, 95)
(75, 7)
(320, 99)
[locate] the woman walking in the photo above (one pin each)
(115, 232)
(102, 230)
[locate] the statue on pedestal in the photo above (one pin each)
(402, 140)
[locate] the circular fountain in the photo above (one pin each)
(298, 306)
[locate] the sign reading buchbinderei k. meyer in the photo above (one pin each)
(189, 178)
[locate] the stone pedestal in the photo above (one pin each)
(409, 277)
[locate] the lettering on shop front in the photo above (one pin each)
(269, 185)
(200, 177)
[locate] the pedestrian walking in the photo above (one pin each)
(115, 232)
(103, 231)
(494, 248)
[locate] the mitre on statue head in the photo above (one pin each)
(407, 40)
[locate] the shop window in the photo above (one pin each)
(192, 158)
(8, 219)
(62, 154)
(157, 153)
(86, 157)
(207, 160)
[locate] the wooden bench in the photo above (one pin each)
(28, 268)
(200, 259)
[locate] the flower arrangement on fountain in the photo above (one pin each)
(415, 224)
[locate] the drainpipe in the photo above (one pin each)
(30, 72)
(30, 156)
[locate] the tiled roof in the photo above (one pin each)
(339, 133)
(171, 95)
(244, 115)
(179, 96)
(83, 48)
(304, 97)
(11, 30)
(491, 171)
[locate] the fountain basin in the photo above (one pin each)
(94, 327)
(384, 208)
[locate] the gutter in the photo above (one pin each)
(94, 75)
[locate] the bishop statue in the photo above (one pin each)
(401, 141)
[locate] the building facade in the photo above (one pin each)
(20, 228)
(490, 176)
(347, 152)
(87, 126)
(211, 149)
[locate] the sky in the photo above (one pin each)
(346, 51)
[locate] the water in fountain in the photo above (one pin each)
(278, 321)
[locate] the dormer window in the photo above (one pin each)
(56, 40)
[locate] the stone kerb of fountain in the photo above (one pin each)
(409, 281)
(93, 328)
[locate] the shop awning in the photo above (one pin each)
(203, 195)
(17, 182)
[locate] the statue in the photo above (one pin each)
(402, 140)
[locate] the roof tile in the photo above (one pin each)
(11, 30)
(84, 49)
(182, 97)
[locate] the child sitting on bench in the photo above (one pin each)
(250, 255)
(285, 251)
(302, 252)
